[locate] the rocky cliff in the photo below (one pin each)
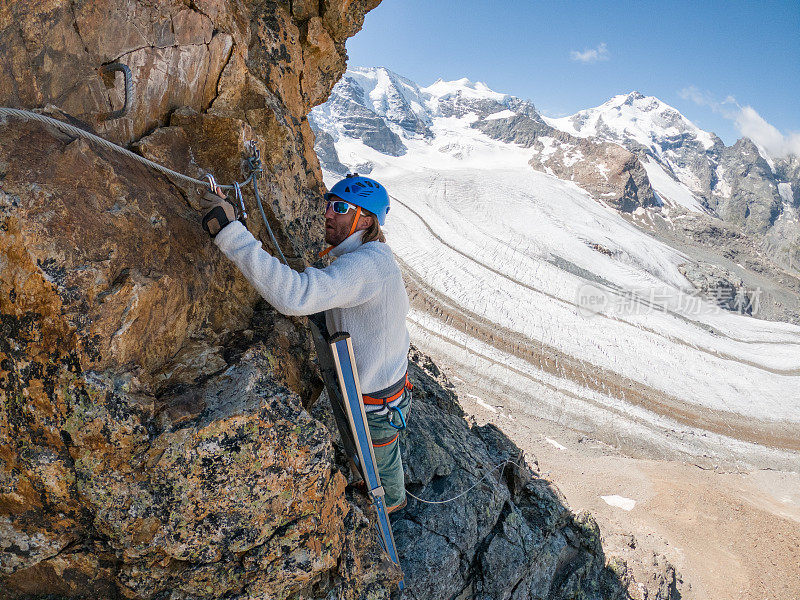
(155, 433)
(125, 470)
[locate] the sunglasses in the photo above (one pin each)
(340, 207)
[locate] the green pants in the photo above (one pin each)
(386, 445)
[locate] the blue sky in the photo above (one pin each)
(710, 60)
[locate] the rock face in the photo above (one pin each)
(720, 286)
(327, 154)
(152, 435)
(517, 129)
(138, 453)
(752, 201)
(607, 171)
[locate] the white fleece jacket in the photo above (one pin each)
(361, 292)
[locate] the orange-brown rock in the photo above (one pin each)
(152, 435)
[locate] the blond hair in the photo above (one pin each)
(373, 232)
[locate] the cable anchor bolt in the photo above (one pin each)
(108, 71)
(254, 160)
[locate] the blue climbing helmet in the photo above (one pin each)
(364, 192)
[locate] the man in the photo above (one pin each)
(361, 292)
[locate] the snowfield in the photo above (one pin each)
(669, 190)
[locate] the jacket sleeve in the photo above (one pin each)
(351, 279)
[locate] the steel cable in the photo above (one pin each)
(469, 489)
(81, 133)
(77, 132)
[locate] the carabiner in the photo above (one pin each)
(238, 191)
(391, 417)
(212, 183)
(254, 151)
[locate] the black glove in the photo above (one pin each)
(218, 212)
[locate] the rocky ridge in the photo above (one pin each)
(155, 439)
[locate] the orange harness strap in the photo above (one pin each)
(383, 401)
(374, 445)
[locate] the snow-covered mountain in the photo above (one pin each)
(559, 276)
(741, 184)
(636, 119)
(381, 108)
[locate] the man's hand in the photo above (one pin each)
(218, 211)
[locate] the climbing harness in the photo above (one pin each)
(341, 347)
(390, 394)
(386, 402)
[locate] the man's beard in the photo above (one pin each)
(333, 236)
(337, 233)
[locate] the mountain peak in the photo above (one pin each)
(368, 70)
(464, 87)
(634, 117)
(633, 96)
(634, 99)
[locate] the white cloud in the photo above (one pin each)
(704, 98)
(591, 55)
(751, 124)
(747, 120)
